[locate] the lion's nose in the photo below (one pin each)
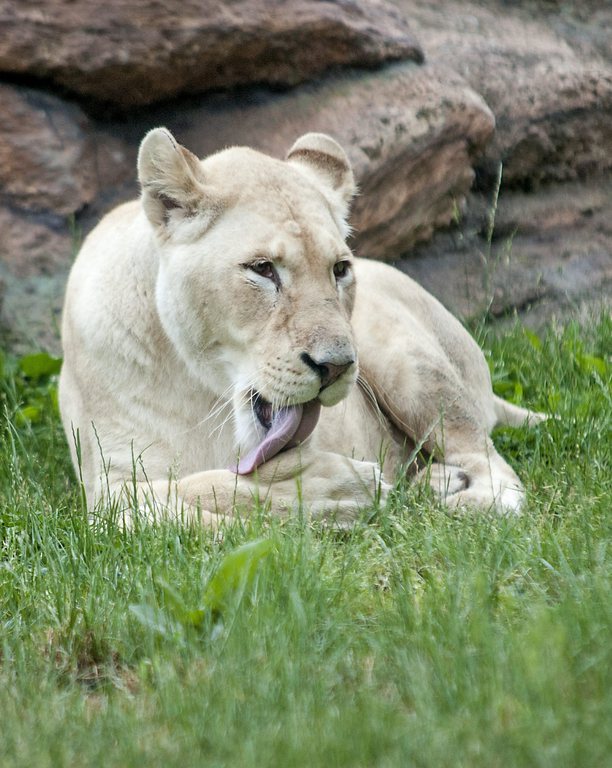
(328, 371)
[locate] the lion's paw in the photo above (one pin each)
(338, 487)
(461, 490)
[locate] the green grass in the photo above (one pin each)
(414, 640)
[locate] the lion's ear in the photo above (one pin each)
(168, 175)
(326, 163)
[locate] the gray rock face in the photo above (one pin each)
(543, 256)
(144, 51)
(552, 103)
(46, 155)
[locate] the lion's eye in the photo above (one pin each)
(265, 269)
(341, 269)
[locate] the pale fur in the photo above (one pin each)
(167, 330)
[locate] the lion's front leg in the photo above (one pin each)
(202, 498)
(476, 480)
(322, 484)
(205, 498)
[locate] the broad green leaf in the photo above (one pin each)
(40, 364)
(176, 606)
(172, 598)
(153, 619)
(236, 573)
(518, 392)
(29, 414)
(196, 617)
(503, 388)
(533, 338)
(590, 363)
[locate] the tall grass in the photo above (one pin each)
(416, 639)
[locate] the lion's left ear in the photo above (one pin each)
(326, 164)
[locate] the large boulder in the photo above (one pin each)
(541, 255)
(46, 155)
(552, 102)
(53, 164)
(35, 255)
(411, 132)
(140, 52)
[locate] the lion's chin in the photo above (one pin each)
(285, 428)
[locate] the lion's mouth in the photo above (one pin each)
(262, 408)
(285, 428)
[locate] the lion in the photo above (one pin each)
(223, 347)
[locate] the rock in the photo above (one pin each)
(53, 163)
(137, 53)
(552, 104)
(30, 312)
(35, 244)
(538, 256)
(423, 136)
(36, 251)
(544, 248)
(586, 25)
(47, 161)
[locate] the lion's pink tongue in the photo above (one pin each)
(290, 426)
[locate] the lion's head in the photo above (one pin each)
(255, 283)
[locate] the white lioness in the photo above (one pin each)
(206, 324)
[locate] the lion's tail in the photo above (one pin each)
(510, 415)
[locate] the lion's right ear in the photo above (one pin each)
(324, 161)
(169, 178)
